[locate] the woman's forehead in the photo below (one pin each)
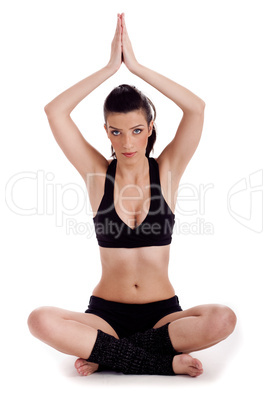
(126, 120)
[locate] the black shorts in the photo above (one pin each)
(127, 319)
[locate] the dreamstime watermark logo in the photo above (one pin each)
(245, 201)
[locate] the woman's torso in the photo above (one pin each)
(133, 275)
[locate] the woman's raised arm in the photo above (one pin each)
(84, 157)
(179, 151)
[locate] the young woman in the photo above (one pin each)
(134, 323)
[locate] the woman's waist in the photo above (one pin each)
(140, 259)
(138, 275)
(134, 290)
(134, 272)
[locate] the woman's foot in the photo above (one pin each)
(186, 364)
(84, 367)
(182, 364)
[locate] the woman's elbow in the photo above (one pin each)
(55, 110)
(52, 111)
(196, 109)
(47, 109)
(201, 106)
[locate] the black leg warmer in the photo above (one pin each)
(154, 341)
(121, 355)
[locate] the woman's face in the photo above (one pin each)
(128, 133)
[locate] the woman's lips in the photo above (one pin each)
(129, 154)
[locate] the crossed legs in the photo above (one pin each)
(190, 330)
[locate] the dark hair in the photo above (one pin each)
(126, 98)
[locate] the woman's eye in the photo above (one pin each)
(137, 131)
(115, 132)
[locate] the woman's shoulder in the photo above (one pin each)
(110, 161)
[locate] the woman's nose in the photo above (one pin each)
(127, 142)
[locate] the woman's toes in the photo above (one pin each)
(196, 368)
(84, 367)
(186, 364)
(197, 364)
(84, 370)
(79, 363)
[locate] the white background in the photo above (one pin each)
(217, 49)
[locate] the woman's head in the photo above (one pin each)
(125, 100)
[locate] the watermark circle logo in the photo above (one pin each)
(245, 201)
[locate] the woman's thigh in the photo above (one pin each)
(198, 311)
(93, 321)
(199, 327)
(54, 316)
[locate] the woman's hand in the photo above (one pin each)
(116, 47)
(128, 55)
(121, 49)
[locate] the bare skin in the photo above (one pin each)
(190, 330)
(138, 275)
(182, 364)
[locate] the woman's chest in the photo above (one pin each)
(132, 202)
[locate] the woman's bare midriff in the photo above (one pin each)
(136, 276)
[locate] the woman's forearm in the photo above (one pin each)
(184, 98)
(64, 103)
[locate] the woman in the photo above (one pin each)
(134, 323)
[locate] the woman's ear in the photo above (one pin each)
(151, 126)
(105, 128)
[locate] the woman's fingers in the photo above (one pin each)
(123, 21)
(116, 47)
(118, 25)
(128, 53)
(125, 37)
(118, 31)
(124, 28)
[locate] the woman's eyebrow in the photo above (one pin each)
(115, 128)
(138, 125)
(131, 128)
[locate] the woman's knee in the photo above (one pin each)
(39, 321)
(222, 322)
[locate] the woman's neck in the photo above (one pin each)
(132, 171)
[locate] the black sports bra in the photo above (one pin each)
(155, 230)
